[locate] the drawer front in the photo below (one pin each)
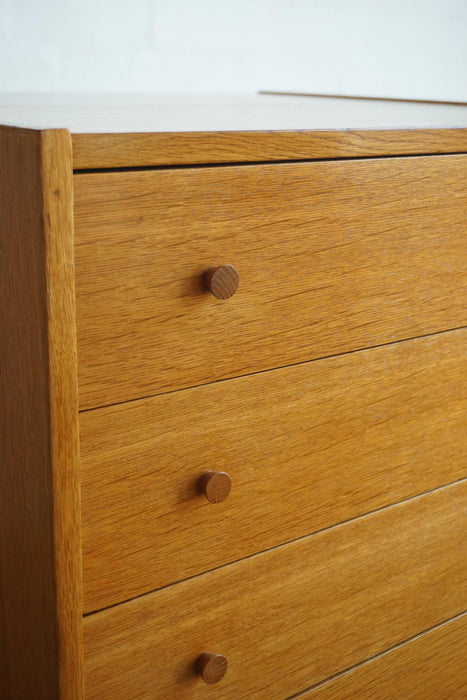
(331, 256)
(293, 616)
(305, 446)
(430, 666)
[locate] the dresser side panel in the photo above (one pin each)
(30, 621)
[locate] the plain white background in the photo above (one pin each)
(399, 48)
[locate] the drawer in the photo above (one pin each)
(289, 618)
(332, 257)
(429, 666)
(305, 446)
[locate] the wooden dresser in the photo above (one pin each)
(233, 398)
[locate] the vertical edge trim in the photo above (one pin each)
(57, 213)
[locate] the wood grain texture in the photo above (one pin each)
(57, 202)
(91, 151)
(40, 580)
(430, 666)
(215, 486)
(305, 447)
(221, 281)
(211, 667)
(332, 257)
(291, 617)
(114, 131)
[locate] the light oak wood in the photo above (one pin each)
(57, 213)
(430, 666)
(291, 617)
(91, 151)
(305, 447)
(332, 256)
(114, 131)
(40, 581)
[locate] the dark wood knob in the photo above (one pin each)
(221, 281)
(216, 486)
(211, 667)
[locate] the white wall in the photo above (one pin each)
(403, 48)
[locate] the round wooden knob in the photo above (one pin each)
(222, 281)
(212, 667)
(216, 486)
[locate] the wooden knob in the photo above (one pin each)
(222, 281)
(216, 486)
(212, 667)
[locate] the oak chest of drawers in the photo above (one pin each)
(233, 398)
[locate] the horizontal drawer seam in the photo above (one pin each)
(278, 368)
(227, 164)
(377, 656)
(283, 544)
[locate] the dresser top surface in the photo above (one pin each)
(125, 131)
(111, 114)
